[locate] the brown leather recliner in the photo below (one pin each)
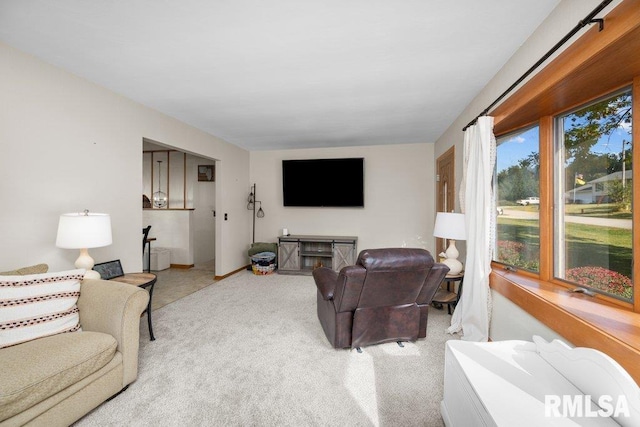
(384, 297)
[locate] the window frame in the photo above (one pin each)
(547, 171)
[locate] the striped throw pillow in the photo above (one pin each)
(38, 305)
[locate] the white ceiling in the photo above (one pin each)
(276, 74)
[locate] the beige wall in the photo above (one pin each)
(67, 144)
(399, 200)
(510, 322)
(564, 18)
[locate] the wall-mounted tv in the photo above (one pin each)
(323, 182)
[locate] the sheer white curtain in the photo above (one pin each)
(472, 313)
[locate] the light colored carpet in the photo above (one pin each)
(249, 350)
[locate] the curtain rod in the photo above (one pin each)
(589, 19)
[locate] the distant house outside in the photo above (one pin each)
(596, 191)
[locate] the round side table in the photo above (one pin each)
(449, 296)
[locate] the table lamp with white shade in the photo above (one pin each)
(84, 230)
(451, 226)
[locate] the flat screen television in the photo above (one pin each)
(323, 182)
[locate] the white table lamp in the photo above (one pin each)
(82, 231)
(451, 226)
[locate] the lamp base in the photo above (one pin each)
(455, 266)
(85, 261)
(91, 274)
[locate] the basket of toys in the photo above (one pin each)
(263, 263)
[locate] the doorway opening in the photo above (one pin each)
(184, 226)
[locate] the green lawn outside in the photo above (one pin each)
(604, 210)
(586, 245)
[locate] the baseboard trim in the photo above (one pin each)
(182, 266)
(231, 273)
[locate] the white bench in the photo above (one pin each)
(522, 383)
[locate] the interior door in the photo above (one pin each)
(446, 187)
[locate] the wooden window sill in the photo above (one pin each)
(581, 319)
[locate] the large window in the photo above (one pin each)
(593, 197)
(518, 202)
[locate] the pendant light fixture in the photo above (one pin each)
(159, 197)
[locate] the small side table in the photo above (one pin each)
(449, 296)
(143, 280)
